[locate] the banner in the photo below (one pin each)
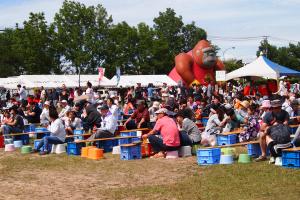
(221, 75)
(101, 72)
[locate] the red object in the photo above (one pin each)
(1, 142)
(272, 85)
(263, 90)
(247, 90)
(146, 149)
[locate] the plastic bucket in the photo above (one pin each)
(172, 154)
(244, 158)
(18, 143)
(9, 147)
(26, 149)
(226, 159)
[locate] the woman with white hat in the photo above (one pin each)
(44, 117)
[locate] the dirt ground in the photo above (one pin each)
(72, 177)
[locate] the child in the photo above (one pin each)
(252, 127)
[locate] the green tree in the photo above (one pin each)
(192, 34)
(34, 44)
(233, 64)
(81, 35)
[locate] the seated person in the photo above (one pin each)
(168, 140)
(189, 131)
(214, 125)
(65, 108)
(108, 127)
(269, 119)
(91, 118)
(33, 113)
(57, 133)
(278, 137)
(251, 129)
(140, 118)
(44, 117)
(16, 124)
(72, 123)
(5, 118)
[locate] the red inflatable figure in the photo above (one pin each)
(198, 66)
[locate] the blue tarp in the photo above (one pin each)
(283, 71)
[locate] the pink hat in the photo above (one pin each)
(266, 104)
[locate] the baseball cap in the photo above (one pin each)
(104, 107)
(64, 101)
(162, 110)
(47, 103)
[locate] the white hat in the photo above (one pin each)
(100, 101)
(47, 103)
(165, 95)
(64, 101)
(162, 110)
(156, 104)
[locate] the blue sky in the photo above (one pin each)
(224, 18)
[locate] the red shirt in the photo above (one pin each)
(168, 130)
(138, 115)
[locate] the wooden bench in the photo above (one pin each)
(292, 149)
(27, 133)
(234, 145)
(105, 139)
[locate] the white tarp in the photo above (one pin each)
(132, 80)
(52, 81)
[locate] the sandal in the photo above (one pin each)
(158, 155)
(261, 158)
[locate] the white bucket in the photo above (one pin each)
(185, 151)
(116, 150)
(172, 154)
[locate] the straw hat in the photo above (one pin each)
(245, 104)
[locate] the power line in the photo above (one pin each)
(250, 38)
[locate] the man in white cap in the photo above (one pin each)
(169, 140)
(44, 117)
(65, 108)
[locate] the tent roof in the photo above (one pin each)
(262, 67)
(132, 80)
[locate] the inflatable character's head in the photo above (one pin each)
(204, 54)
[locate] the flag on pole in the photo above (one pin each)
(101, 72)
(118, 74)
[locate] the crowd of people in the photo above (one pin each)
(173, 113)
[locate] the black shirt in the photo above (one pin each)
(280, 133)
(281, 116)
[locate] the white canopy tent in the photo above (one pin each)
(52, 81)
(132, 80)
(262, 67)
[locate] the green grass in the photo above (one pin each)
(23, 176)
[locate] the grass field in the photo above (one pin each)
(72, 177)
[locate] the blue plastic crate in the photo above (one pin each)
(137, 139)
(37, 142)
(208, 160)
(291, 162)
(226, 139)
(78, 132)
(291, 154)
(204, 121)
(125, 141)
(126, 134)
(41, 135)
(29, 128)
(74, 148)
(208, 152)
(131, 153)
(106, 145)
(254, 150)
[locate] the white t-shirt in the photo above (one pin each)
(57, 129)
(22, 93)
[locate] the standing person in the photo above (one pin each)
(57, 133)
(22, 93)
(89, 92)
(140, 118)
(169, 139)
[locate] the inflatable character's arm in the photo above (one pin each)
(183, 66)
(220, 65)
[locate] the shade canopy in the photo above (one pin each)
(132, 80)
(262, 67)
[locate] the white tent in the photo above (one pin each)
(132, 80)
(262, 67)
(52, 81)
